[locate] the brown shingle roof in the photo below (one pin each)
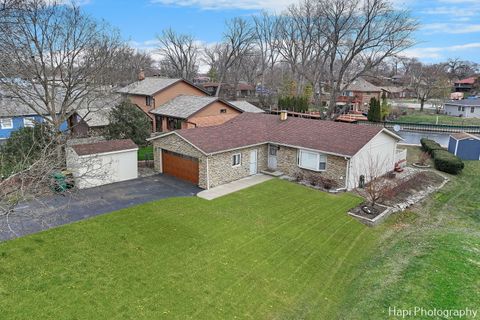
(104, 147)
(254, 128)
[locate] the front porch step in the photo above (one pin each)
(272, 173)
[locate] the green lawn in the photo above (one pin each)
(274, 251)
(145, 153)
(418, 117)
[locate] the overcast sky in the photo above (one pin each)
(449, 28)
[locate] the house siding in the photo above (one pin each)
(468, 149)
(221, 170)
(19, 124)
(452, 110)
(288, 164)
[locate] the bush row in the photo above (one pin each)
(443, 160)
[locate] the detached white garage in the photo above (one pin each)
(104, 162)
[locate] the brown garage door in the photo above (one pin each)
(180, 166)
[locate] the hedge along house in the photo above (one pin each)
(465, 146)
(251, 143)
(186, 111)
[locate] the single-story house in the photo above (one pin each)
(468, 108)
(185, 112)
(102, 162)
(464, 145)
(255, 142)
(246, 106)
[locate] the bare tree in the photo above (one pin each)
(428, 81)
(237, 43)
(57, 57)
(180, 52)
(361, 34)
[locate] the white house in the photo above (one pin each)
(467, 108)
(98, 163)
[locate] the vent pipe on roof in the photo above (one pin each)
(141, 75)
(283, 115)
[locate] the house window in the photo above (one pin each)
(472, 109)
(312, 160)
(459, 108)
(29, 122)
(148, 100)
(463, 108)
(223, 110)
(6, 123)
(236, 159)
(174, 124)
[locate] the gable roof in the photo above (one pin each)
(254, 128)
(470, 102)
(362, 85)
(151, 85)
(104, 147)
(184, 106)
(246, 106)
(463, 136)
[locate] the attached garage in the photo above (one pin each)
(180, 166)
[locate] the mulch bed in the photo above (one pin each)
(364, 209)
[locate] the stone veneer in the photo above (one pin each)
(221, 170)
(336, 166)
(176, 144)
(220, 165)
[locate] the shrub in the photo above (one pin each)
(430, 146)
(423, 158)
(447, 162)
(298, 176)
(323, 182)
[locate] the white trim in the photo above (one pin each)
(240, 158)
(6, 118)
(104, 153)
(456, 147)
(184, 139)
(318, 154)
(32, 119)
(208, 175)
(391, 134)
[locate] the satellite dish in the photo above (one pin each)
(396, 128)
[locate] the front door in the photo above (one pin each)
(253, 162)
(272, 157)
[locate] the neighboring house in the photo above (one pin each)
(468, 108)
(15, 115)
(357, 95)
(392, 92)
(251, 143)
(465, 146)
(152, 92)
(185, 112)
(92, 120)
(465, 85)
(98, 163)
(246, 106)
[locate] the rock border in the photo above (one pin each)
(375, 221)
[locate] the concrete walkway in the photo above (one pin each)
(233, 186)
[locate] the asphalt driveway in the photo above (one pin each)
(59, 210)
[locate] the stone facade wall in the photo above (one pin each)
(336, 166)
(221, 170)
(176, 144)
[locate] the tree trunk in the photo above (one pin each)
(422, 102)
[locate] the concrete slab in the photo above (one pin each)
(233, 186)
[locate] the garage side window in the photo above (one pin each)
(236, 159)
(312, 160)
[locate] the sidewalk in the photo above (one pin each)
(233, 186)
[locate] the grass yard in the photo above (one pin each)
(274, 251)
(145, 153)
(418, 117)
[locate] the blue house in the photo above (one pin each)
(465, 146)
(14, 116)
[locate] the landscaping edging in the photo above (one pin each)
(375, 221)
